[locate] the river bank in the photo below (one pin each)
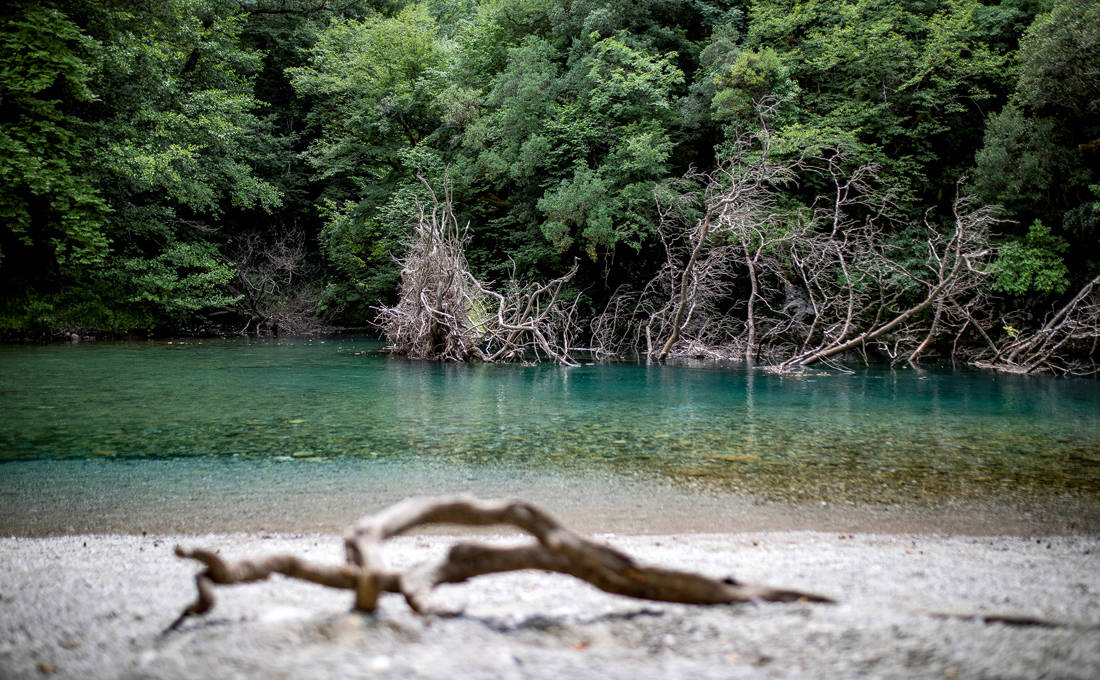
(87, 606)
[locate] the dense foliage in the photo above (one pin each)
(168, 166)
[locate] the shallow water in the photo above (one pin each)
(877, 436)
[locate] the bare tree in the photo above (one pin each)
(743, 226)
(889, 295)
(276, 295)
(749, 276)
(713, 226)
(1066, 344)
(444, 312)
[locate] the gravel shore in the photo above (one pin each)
(97, 606)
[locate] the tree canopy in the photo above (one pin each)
(158, 158)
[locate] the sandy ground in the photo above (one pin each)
(96, 606)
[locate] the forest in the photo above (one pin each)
(785, 181)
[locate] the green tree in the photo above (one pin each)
(1041, 153)
(624, 115)
(52, 209)
(371, 86)
(131, 133)
(906, 82)
(1032, 264)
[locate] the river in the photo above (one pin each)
(304, 434)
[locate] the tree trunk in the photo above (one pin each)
(689, 270)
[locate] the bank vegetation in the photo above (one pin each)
(786, 183)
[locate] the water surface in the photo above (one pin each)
(294, 406)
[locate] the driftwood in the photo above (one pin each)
(556, 549)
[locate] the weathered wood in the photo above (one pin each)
(1037, 351)
(556, 549)
(444, 312)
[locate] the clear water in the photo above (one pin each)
(876, 436)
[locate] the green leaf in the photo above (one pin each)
(1032, 264)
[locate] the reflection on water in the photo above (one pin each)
(877, 435)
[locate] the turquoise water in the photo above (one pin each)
(878, 435)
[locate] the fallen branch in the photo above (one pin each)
(1043, 350)
(556, 549)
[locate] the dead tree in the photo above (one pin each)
(438, 303)
(679, 312)
(754, 278)
(555, 549)
(685, 309)
(871, 267)
(274, 290)
(830, 274)
(445, 313)
(1066, 344)
(743, 208)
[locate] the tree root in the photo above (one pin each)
(556, 549)
(443, 312)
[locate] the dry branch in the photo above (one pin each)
(1066, 344)
(272, 284)
(748, 276)
(555, 549)
(444, 312)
